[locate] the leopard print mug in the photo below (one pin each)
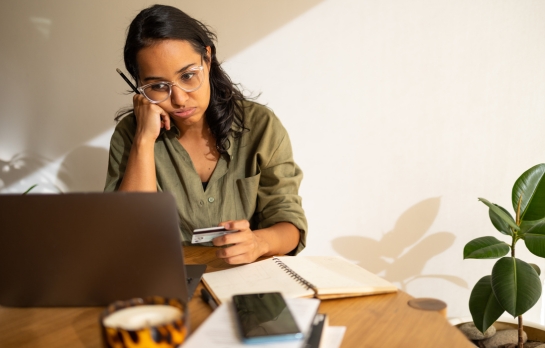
(171, 333)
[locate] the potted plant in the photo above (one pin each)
(514, 285)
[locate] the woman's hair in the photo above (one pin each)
(161, 22)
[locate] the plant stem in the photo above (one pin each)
(518, 210)
(513, 246)
(515, 234)
(29, 189)
(521, 344)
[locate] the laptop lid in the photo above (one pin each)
(89, 249)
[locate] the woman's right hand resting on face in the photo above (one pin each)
(150, 118)
(140, 172)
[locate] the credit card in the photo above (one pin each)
(202, 235)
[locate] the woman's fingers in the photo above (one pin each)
(150, 118)
(239, 225)
(234, 250)
(233, 238)
(166, 122)
(238, 253)
(245, 233)
(242, 246)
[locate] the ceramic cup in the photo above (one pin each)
(144, 322)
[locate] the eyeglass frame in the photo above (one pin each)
(170, 84)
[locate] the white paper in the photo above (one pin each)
(220, 329)
(333, 337)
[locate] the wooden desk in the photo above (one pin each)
(371, 321)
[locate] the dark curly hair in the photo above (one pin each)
(161, 22)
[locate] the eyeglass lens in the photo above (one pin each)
(189, 81)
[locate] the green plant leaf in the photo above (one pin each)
(29, 189)
(531, 185)
(526, 225)
(499, 223)
(536, 268)
(516, 285)
(483, 305)
(534, 238)
(485, 248)
(501, 213)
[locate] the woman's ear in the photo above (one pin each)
(209, 55)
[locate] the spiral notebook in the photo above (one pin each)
(322, 277)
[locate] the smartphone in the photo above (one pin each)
(265, 318)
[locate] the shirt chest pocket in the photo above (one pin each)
(247, 191)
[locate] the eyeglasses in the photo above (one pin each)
(189, 81)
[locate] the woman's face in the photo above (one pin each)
(167, 60)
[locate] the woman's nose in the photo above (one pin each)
(178, 96)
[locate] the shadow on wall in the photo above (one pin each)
(249, 21)
(22, 165)
(57, 42)
(84, 169)
(388, 254)
(52, 44)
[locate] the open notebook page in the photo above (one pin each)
(261, 276)
(334, 275)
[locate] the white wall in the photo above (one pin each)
(401, 114)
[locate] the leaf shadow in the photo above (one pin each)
(39, 50)
(20, 166)
(402, 253)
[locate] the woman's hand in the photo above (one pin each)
(140, 171)
(246, 245)
(150, 118)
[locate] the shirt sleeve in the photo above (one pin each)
(120, 148)
(278, 198)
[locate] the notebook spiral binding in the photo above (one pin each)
(295, 276)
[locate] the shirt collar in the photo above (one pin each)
(230, 138)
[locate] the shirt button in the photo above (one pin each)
(210, 199)
(201, 202)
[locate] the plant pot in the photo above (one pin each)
(535, 332)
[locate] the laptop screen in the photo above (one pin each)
(89, 249)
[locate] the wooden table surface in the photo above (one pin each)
(371, 321)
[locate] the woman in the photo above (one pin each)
(227, 161)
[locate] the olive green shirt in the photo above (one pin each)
(257, 180)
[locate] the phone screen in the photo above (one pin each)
(265, 317)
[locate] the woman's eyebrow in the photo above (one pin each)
(152, 78)
(184, 68)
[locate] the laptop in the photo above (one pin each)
(91, 249)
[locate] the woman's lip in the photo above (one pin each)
(184, 112)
